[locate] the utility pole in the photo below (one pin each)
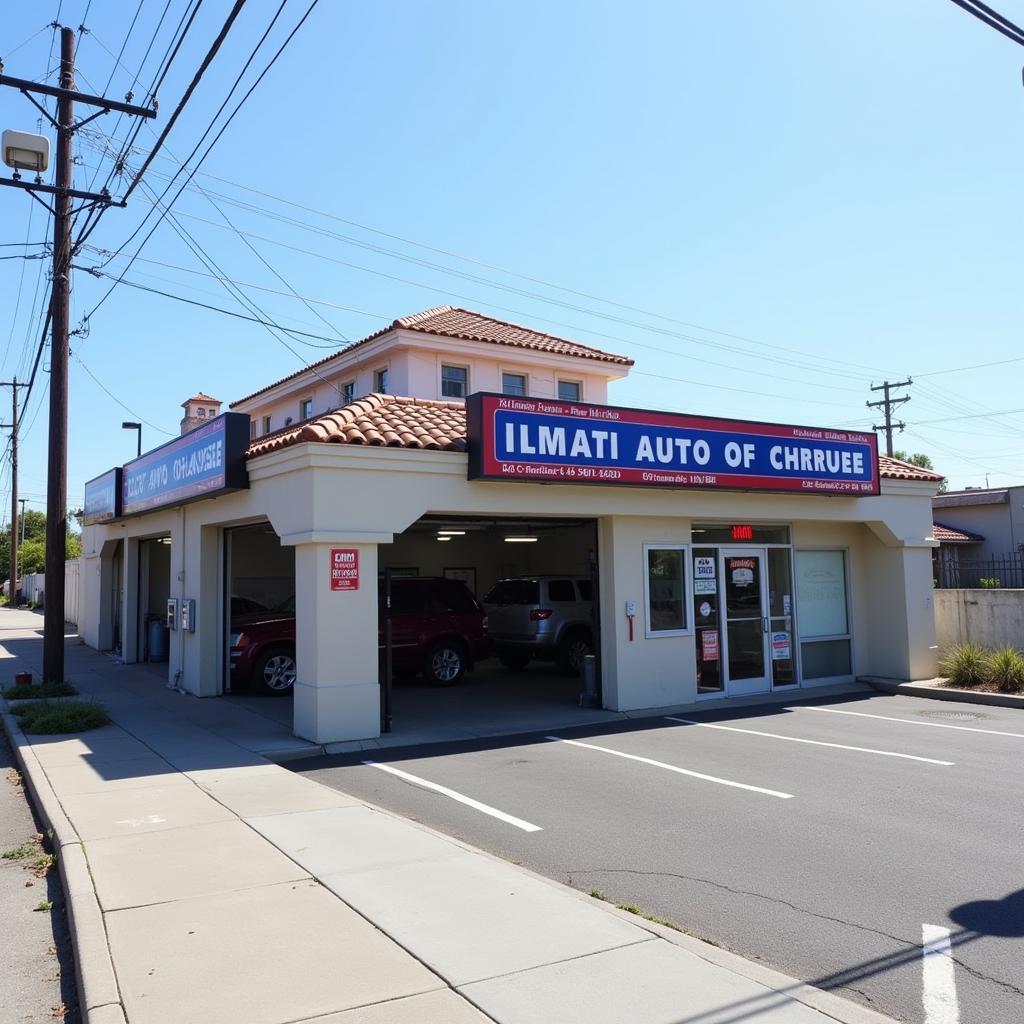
(13, 385)
(888, 404)
(60, 311)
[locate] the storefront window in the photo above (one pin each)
(780, 612)
(666, 590)
(825, 643)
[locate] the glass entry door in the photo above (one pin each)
(745, 620)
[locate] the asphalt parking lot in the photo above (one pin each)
(870, 845)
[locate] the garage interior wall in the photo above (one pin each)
(560, 551)
(261, 569)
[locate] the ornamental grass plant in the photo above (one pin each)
(1005, 669)
(964, 665)
(41, 717)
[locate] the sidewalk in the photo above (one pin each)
(208, 884)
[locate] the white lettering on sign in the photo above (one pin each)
(344, 569)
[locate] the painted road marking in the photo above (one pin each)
(467, 800)
(939, 993)
(816, 743)
(909, 721)
(675, 768)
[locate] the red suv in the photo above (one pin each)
(437, 627)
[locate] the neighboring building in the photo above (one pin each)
(199, 409)
(994, 515)
(981, 537)
(748, 557)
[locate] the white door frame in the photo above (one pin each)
(761, 684)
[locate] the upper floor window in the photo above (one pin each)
(348, 392)
(513, 384)
(201, 413)
(569, 390)
(252, 430)
(380, 381)
(213, 412)
(266, 424)
(305, 408)
(454, 381)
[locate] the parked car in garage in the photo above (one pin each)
(438, 629)
(544, 617)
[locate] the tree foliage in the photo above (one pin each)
(32, 551)
(920, 460)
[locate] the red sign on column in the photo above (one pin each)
(344, 569)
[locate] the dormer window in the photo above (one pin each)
(201, 413)
(213, 412)
(454, 381)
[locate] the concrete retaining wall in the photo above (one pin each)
(987, 617)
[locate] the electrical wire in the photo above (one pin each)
(993, 19)
(112, 396)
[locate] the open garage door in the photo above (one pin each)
(491, 624)
(260, 593)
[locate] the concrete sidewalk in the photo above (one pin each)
(208, 884)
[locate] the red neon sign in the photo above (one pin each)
(742, 533)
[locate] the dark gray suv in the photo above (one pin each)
(545, 617)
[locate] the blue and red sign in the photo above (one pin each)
(548, 441)
(200, 464)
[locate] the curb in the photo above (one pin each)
(99, 999)
(933, 692)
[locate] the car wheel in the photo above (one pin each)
(515, 660)
(445, 664)
(274, 671)
(574, 647)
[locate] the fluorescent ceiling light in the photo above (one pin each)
(444, 538)
(451, 533)
(521, 540)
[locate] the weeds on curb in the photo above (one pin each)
(632, 908)
(42, 717)
(45, 907)
(34, 691)
(20, 852)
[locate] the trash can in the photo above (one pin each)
(157, 636)
(589, 697)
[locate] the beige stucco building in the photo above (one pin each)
(703, 592)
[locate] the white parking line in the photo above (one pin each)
(816, 743)
(908, 721)
(467, 800)
(674, 768)
(939, 992)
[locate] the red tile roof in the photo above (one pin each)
(201, 398)
(897, 469)
(396, 422)
(381, 420)
(466, 325)
(950, 535)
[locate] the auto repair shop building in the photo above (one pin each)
(729, 557)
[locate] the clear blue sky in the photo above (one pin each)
(811, 197)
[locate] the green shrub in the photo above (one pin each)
(990, 583)
(1005, 668)
(42, 717)
(965, 665)
(35, 691)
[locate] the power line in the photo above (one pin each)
(993, 19)
(114, 397)
(216, 138)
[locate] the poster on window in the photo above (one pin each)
(780, 647)
(709, 645)
(704, 586)
(703, 568)
(741, 571)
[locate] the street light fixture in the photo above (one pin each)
(138, 428)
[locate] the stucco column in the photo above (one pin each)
(901, 615)
(337, 689)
